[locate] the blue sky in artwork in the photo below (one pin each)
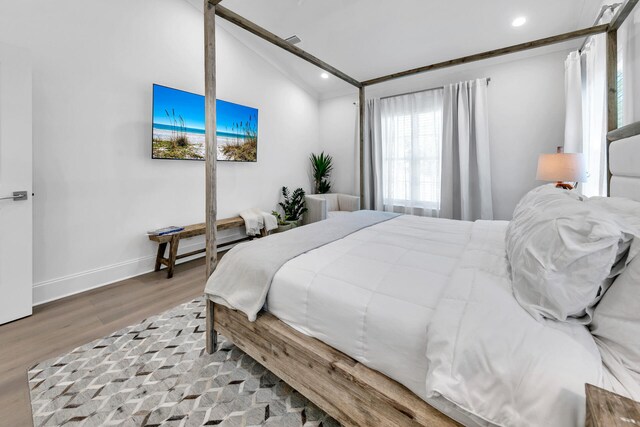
(191, 107)
(228, 113)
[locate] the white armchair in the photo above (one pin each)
(323, 206)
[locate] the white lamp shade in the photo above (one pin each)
(562, 167)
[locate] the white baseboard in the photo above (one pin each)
(51, 290)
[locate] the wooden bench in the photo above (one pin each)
(173, 240)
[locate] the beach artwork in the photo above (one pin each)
(179, 130)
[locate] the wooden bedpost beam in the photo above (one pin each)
(211, 150)
(598, 29)
(622, 14)
(612, 80)
(618, 19)
(361, 112)
(257, 30)
(612, 93)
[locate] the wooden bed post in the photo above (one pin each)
(612, 92)
(612, 73)
(211, 150)
(361, 112)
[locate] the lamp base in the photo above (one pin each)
(564, 185)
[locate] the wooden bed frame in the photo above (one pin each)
(345, 389)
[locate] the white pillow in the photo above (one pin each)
(561, 252)
(628, 211)
(616, 328)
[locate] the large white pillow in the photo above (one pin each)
(562, 251)
(616, 328)
(616, 319)
(627, 211)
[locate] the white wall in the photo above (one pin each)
(526, 115)
(339, 136)
(97, 191)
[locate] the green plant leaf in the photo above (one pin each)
(322, 166)
(324, 187)
(293, 204)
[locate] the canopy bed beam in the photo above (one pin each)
(211, 149)
(612, 8)
(257, 30)
(361, 112)
(622, 14)
(598, 29)
(612, 92)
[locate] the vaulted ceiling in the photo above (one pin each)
(370, 38)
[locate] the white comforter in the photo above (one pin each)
(428, 302)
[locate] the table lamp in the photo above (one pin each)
(562, 168)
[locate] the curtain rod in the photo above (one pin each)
(422, 90)
(604, 8)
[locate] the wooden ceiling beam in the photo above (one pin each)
(493, 53)
(257, 30)
(622, 14)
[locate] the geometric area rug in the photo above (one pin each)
(157, 373)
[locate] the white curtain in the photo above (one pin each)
(594, 116)
(411, 135)
(586, 110)
(372, 197)
(466, 164)
(573, 96)
(629, 59)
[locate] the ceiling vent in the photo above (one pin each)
(293, 39)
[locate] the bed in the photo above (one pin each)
(402, 320)
(333, 353)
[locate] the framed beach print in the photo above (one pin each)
(179, 130)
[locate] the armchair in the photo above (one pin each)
(323, 206)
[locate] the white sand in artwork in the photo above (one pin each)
(197, 140)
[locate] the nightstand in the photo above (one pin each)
(607, 409)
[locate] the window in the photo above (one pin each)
(411, 151)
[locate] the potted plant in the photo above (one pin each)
(293, 206)
(282, 224)
(321, 166)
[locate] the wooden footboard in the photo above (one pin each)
(344, 388)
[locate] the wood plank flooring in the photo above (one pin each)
(62, 325)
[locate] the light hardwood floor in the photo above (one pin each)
(60, 326)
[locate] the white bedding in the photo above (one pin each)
(428, 303)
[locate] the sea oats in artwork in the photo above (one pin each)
(158, 373)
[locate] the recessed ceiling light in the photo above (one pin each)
(324, 75)
(519, 21)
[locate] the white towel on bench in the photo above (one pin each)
(270, 221)
(255, 220)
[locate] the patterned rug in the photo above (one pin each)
(158, 373)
